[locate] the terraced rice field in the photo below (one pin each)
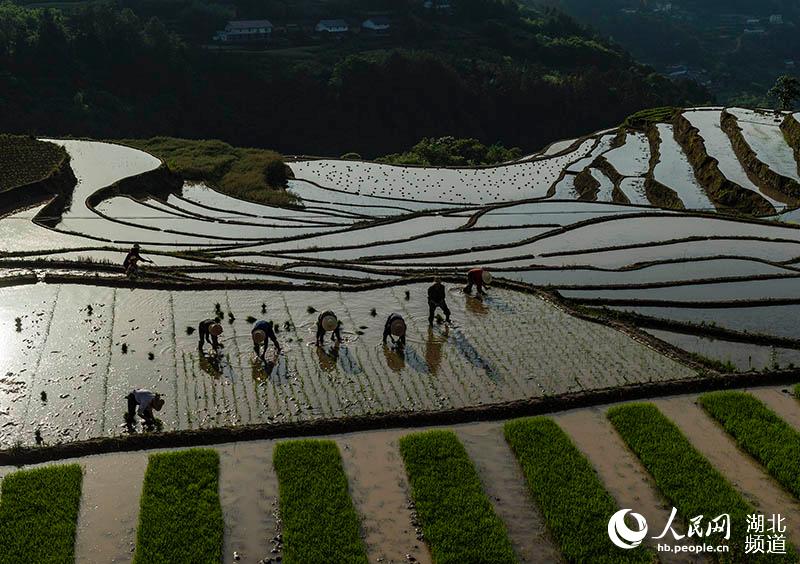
(363, 236)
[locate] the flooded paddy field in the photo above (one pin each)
(358, 239)
(86, 347)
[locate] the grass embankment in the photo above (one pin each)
(181, 517)
(796, 391)
(24, 159)
(651, 116)
(257, 175)
(457, 518)
(687, 479)
(38, 515)
(759, 432)
(566, 488)
(320, 524)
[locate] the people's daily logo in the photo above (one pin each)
(622, 535)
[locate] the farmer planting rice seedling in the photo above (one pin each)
(209, 332)
(313, 369)
(395, 329)
(262, 333)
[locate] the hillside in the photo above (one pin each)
(737, 49)
(485, 70)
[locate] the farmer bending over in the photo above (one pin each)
(395, 327)
(327, 321)
(210, 330)
(478, 277)
(436, 299)
(262, 333)
(130, 264)
(146, 401)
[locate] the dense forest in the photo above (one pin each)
(736, 47)
(488, 70)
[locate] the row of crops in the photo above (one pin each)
(181, 520)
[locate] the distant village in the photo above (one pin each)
(263, 31)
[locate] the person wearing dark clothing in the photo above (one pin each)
(131, 262)
(327, 321)
(262, 333)
(395, 327)
(437, 299)
(210, 330)
(478, 277)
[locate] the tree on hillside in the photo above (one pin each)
(786, 91)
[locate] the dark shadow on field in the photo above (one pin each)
(348, 362)
(328, 357)
(497, 304)
(416, 362)
(469, 352)
(274, 368)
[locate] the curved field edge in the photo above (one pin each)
(565, 486)
(319, 522)
(180, 519)
(457, 518)
(760, 433)
(686, 478)
(255, 175)
(39, 514)
(33, 171)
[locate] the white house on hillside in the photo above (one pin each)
(377, 25)
(244, 31)
(332, 26)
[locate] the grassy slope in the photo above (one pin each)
(457, 518)
(566, 488)
(756, 428)
(320, 525)
(24, 160)
(685, 477)
(38, 515)
(180, 518)
(235, 171)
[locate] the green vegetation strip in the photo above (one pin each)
(761, 433)
(566, 488)
(457, 518)
(257, 175)
(24, 159)
(796, 391)
(38, 515)
(181, 518)
(687, 479)
(320, 524)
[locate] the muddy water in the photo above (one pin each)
(248, 494)
(504, 483)
(109, 513)
(744, 473)
(380, 492)
(620, 471)
(782, 402)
